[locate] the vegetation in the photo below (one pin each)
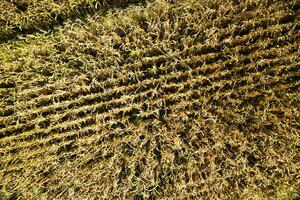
(161, 99)
(29, 16)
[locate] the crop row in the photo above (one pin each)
(164, 102)
(184, 106)
(205, 70)
(86, 90)
(185, 51)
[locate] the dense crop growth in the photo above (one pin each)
(182, 99)
(29, 16)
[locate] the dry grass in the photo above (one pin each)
(29, 16)
(181, 99)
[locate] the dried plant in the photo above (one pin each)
(157, 99)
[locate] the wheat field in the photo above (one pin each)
(153, 99)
